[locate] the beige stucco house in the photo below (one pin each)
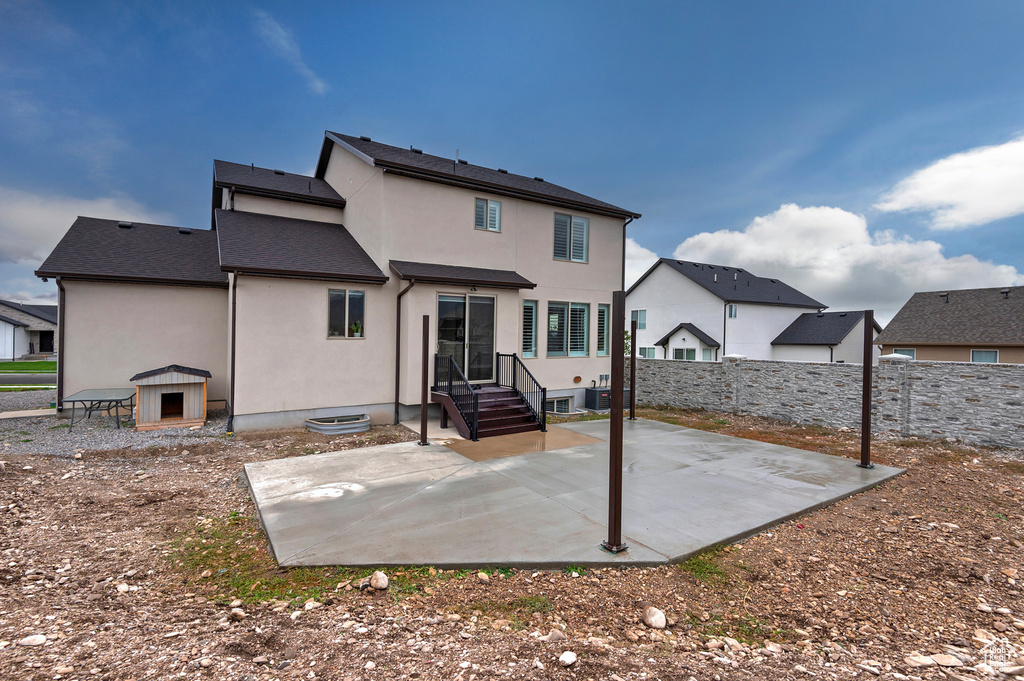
(306, 297)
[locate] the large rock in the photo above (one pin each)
(567, 659)
(379, 581)
(654, 618)
(33, 640)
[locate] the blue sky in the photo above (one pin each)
(858, 151)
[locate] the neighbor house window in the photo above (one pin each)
(647, 353)
(989, 356)
(529, 328)
(732, 311)
(906, 352)
(488, 215)
(640, 317)
(345, 313)
(571, 237)
(558, 405)
(705, 355)
(684, 353)
(568, 329)
(604, 330)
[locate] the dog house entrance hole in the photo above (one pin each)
(172, 405)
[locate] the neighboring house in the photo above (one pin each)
(13, 339)
(40, 326)
(967, 325)
(697, 311)
(306, 297)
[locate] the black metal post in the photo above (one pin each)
(426, 379)
(632, 370)
(865, 400)
(614, 542)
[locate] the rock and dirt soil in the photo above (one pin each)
(150, 564)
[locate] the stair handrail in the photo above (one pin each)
(454, 383)
(512, 373)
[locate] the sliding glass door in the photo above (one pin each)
(465, 331)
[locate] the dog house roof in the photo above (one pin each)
(189, 375)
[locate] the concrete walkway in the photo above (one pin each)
(684, 490)
(26, 413)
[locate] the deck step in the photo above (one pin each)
(508, 430)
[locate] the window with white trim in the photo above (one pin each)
(684, 353)
(557, 405)
(488, 215)
(604, 329)
(646, 352)
(985, 356)
(732, 311)
(705, 355)
(346, 311)
(529, 328)
(568, 329)
(906, 352)
(572, 239)
(640, 317)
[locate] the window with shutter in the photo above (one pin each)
(603, 329)
(579, 323)
(558, 316)
(561, 236)
(580, 227)
(488, 215)
(572, 238)
(530, 328)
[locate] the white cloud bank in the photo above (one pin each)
(638, 260)
(32, 224)
(829, 254)
(281, 41)
(966, 189)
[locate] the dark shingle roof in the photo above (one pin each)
(268, 244)
(974, 316)
(736, 285)
(435, 168)
(692, 328)
(822, 328)
(48, 313)
(94, 248)
(171, 368)
(454, 274)
(13, 322)
(275, 183)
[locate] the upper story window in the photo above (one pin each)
(989, 356)
(906, 352)
(640, 317)
(488, 215)
(732, 311)
(572, 237)
(345, 313)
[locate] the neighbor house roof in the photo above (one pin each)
(12, 322)
(276, 184)
(735, 285)
(822, 328)
(171, 368)
(99, 249)
(992, 316)
(454, 274)
(692, 328)
(48, 313)
(268, 244)
(414, 163)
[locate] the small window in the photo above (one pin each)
(647, 353)
(684, 353)
(346, 311)
(705, 355)
(488, 215)
(640, 317)
(558, 405)
(906, 352)
(529, 328)
(732, 312)
(985, 356)
(571, 238)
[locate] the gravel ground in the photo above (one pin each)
(26, 399)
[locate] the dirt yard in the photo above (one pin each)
(150, 564)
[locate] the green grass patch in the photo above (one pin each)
(704, 567)
(743, 628)
(24, 388)
(517, 611)
(578, 569)
(42, 367)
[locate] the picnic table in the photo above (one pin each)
(101, 399)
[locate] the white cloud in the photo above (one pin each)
(32, 224)
(829, 254)
(966, 189)
(281, 41)
(638, 260)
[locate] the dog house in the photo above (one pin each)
(171, 397)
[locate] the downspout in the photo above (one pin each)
(830, 357)
(398, 343)
(725, 318)
(624, 225)
(61, 295)
(231, 396)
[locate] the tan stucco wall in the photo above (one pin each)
(114, 331)
(287, 209)
(959, 353)
(362, 185)
(284, 359)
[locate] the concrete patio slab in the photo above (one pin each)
(683, 491)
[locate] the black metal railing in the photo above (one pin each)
(449, 379)
(510, 372)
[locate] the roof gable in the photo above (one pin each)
(735, 285)
(415, 164)
(48, 313)
(277, 184)
(822, 328)
(966, 316)
(694, 330)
